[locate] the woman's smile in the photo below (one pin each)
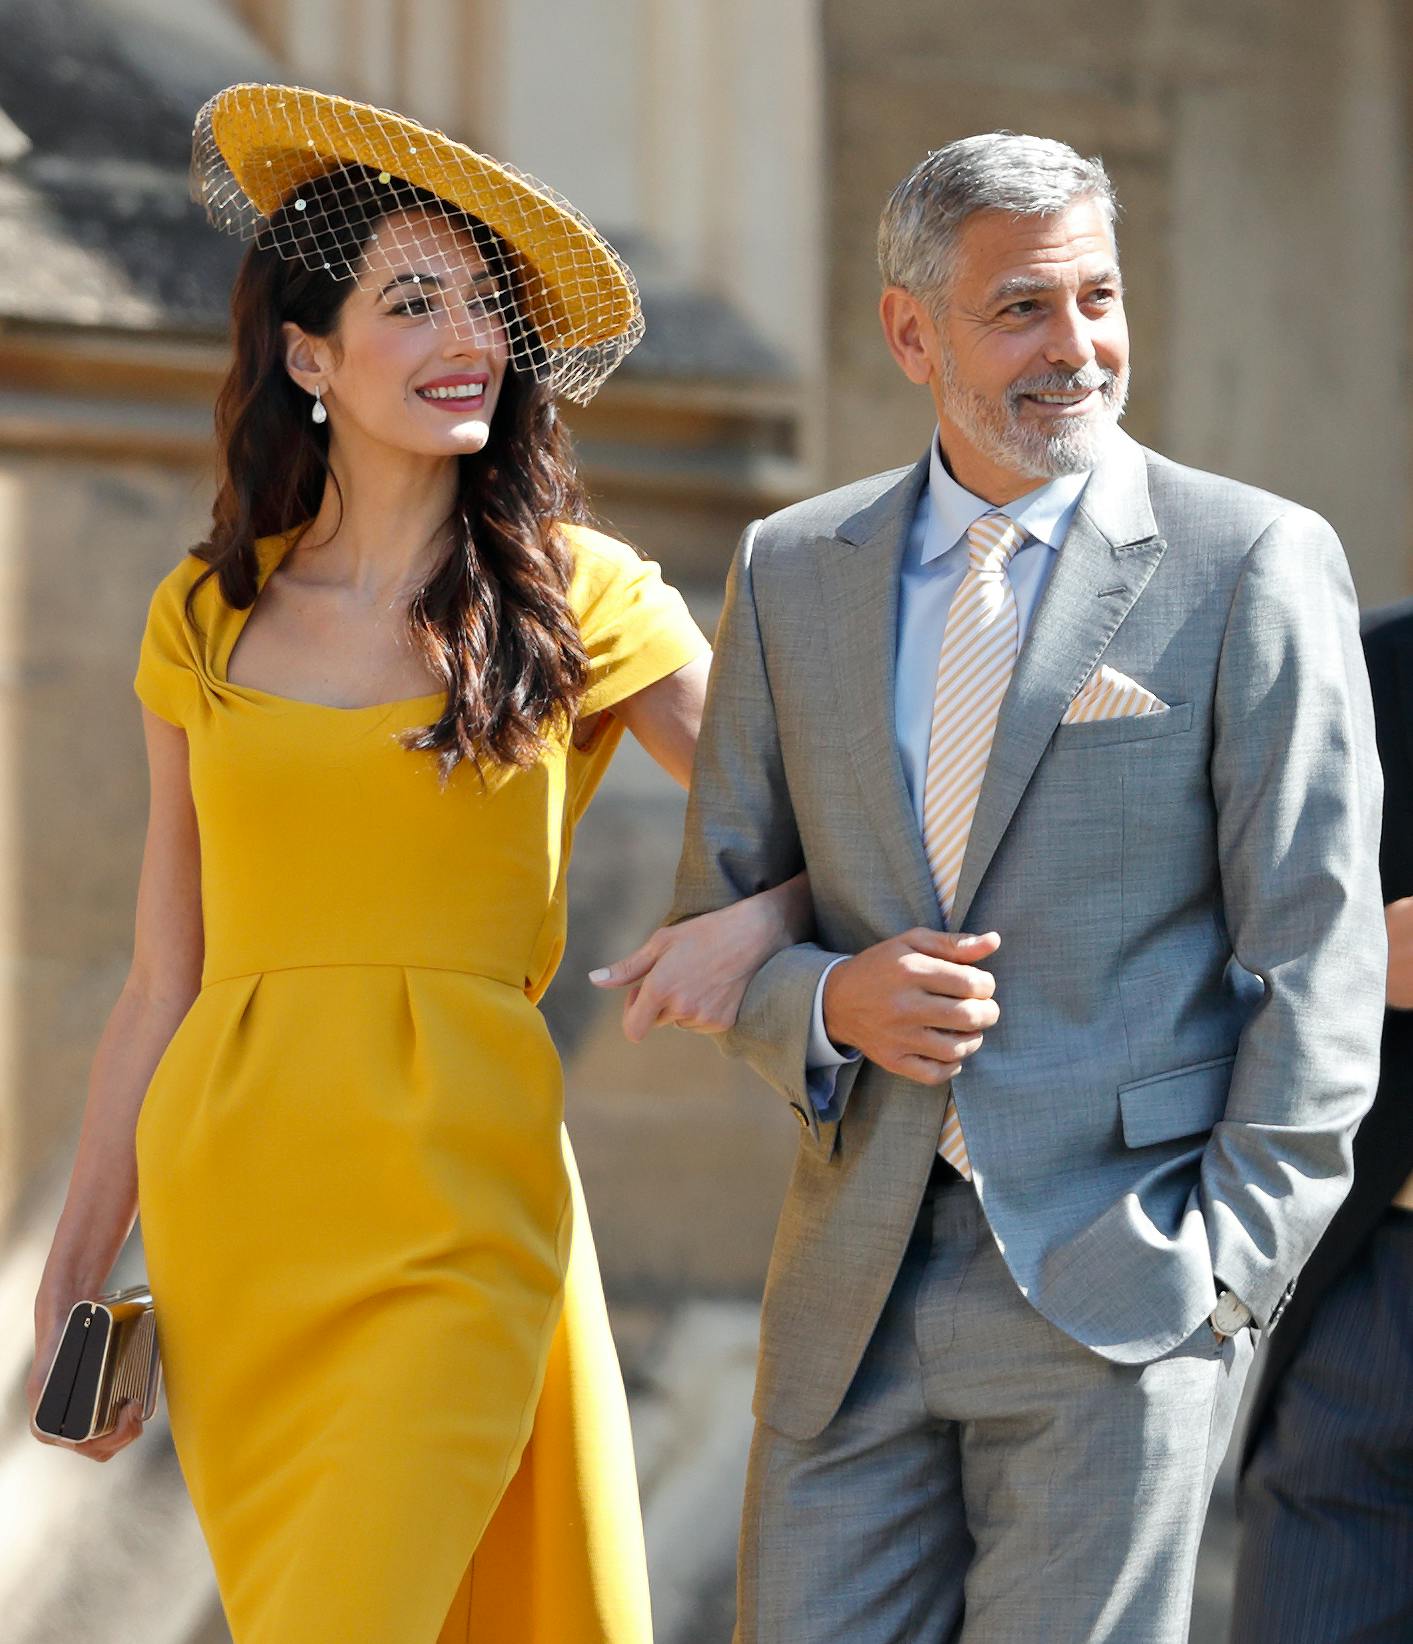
(457, 393)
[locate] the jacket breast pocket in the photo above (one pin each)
(1187, 1101)
(1103, 733)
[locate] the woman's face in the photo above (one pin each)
(419, 353)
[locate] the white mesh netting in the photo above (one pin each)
(434, 229)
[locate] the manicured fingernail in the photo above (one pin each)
(600, 975)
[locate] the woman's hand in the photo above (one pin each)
(48, 1328)
(694, 975)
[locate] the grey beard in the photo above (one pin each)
(999, 433)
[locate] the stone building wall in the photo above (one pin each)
(1260, 152)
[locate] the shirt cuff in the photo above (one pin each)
(822, 1058)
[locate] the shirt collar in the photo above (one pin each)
(1043, 514)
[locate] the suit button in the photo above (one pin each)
(801, 1115)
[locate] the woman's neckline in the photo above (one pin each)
(270, 553)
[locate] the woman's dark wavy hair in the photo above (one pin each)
(493, 621)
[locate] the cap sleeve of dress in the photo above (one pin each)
(167, 679)
(635, 627)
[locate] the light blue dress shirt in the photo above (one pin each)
(934, 563)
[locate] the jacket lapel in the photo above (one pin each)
(1111, 551)
(860, 571)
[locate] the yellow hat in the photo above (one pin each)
(255, 146)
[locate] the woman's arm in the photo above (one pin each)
(694, 975)
(667, 718)
(162, 981)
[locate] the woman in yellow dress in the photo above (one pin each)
(376, 701)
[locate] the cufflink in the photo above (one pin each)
(1280, 1306)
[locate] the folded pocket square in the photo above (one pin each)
(1108, 694)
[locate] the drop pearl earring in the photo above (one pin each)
(318, 414)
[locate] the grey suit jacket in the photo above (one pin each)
(1191, 973)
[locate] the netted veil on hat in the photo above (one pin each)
(310, 175)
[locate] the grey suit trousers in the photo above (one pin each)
(987, 1480)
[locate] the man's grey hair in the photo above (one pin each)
(999, 171)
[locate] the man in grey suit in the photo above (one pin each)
(1110, 714)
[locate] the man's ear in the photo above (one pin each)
(907, 328)
(305, 357)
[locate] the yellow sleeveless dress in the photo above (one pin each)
(383, 1330)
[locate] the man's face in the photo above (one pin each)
(1030, 344)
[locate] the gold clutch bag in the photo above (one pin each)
(106, 1356)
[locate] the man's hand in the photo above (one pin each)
(917, 1004)
(1399, 918)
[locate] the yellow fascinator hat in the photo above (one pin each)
(298, 170)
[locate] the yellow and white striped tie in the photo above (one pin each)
(978, 656)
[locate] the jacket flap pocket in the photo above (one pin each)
(1185, 1102)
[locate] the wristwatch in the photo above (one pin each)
(1229, 1315)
